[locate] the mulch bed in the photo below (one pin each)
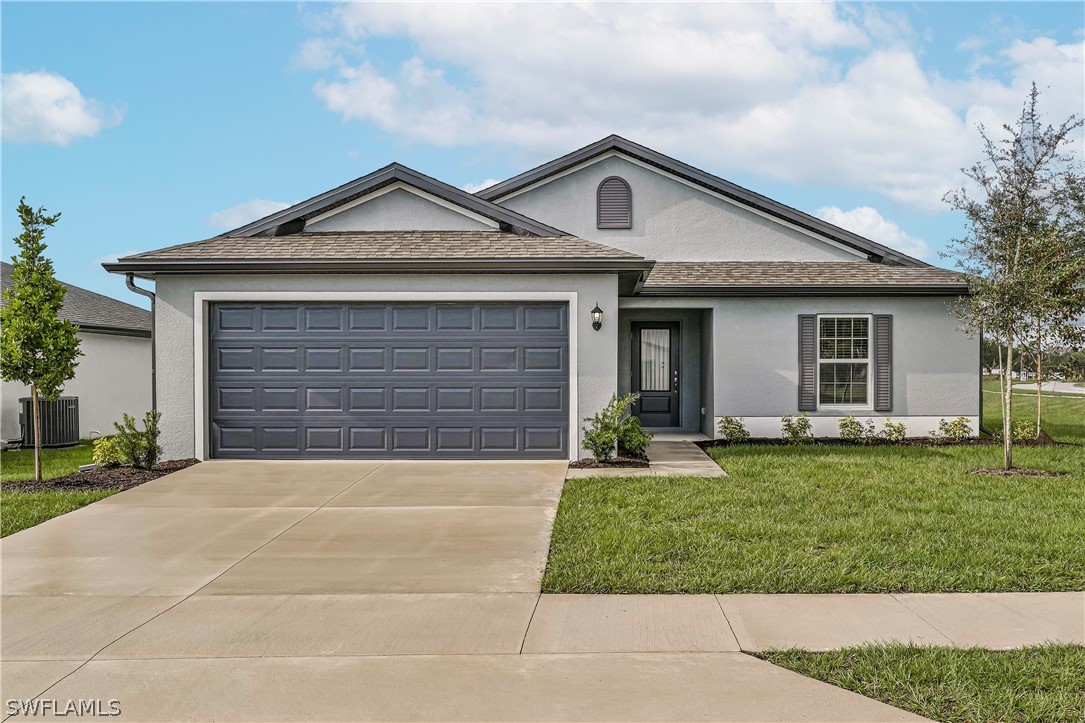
(101, 478)
(1018, 472)
(1044, 441)
(614, 463)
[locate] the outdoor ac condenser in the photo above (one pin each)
(59, 421)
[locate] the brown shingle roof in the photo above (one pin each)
(802, 274)
(386, 245)
(88, 309)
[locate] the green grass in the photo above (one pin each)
(825, 519)
(1043, 683)
(19, 510)
(18, 465)
(1063, 414)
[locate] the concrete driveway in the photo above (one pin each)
(358, 591)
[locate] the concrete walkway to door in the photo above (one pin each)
(355, 591)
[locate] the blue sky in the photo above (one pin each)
(154, 124)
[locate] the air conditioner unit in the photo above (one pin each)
(59, 421)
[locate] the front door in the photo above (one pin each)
(655, 373)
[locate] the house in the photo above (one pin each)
(398, 316)
(114, 373)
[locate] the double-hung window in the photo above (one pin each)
(844, 361)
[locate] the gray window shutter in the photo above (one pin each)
(883, 362)
(614, 204)
(808, 360)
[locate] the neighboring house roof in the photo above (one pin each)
(387, 250)
(876, 251)
(94, 312)
(751, 278)
(292, 219)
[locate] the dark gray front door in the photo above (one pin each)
(379, 380)
(655, 373)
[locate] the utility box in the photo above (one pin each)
(59, 421)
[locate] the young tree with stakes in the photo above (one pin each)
(37, 347)
(1023, 249)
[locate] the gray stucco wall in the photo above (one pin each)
(671, 220)
(398, 210)
(689, 357)
(113, 378)
(755, 354)
(597, 351)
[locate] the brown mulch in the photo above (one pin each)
(1043, 441)
(102, 478)
(1018, 472)
(614, 462)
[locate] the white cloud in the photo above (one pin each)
(867, 222)
(43, 107)
(111, 258)
(476, 187)
(754, 88)
(245, 212)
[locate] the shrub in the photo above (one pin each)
(733, 430)
(1023, 429)
(140, 449)
(632, 439)
(613, 426)
(957, 430)
(795, 428)
(106, 453)
(852, 430)
(893, 431)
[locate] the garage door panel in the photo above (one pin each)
(389, 380)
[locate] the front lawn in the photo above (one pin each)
(1044, 683)
(823, 519)
(18, 464)
(20, 510)
(1063, 414)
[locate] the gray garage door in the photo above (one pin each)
(375, 380)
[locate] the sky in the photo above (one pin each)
(151, 124)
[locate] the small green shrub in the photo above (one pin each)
(893, 431)
(796, 429)
(138, 448)
(613, 426)
(733, 430)
(957, 430)
(852, 430)
(633, 440)
(106, 453)
(1023, 429)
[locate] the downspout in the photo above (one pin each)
(128, 281)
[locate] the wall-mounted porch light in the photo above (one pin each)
(597, 318)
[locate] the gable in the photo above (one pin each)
(672, 218)
(399, 207)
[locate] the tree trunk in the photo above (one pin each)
(1039, 374)
(1007, 409)
(37, 433)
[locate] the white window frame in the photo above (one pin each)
(869, 361)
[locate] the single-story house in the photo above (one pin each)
(114, 373)
(399, 316)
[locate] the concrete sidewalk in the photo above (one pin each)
(668, 455)
(754, 623)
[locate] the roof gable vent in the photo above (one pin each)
(615, 204)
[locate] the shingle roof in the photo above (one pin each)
(88, 309)
(797, 275)
(386, 245)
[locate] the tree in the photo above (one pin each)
(1024, 213)
(37, 347)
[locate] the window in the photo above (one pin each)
(844, 360)
(615, 204)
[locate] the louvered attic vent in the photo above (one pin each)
(615, 204)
